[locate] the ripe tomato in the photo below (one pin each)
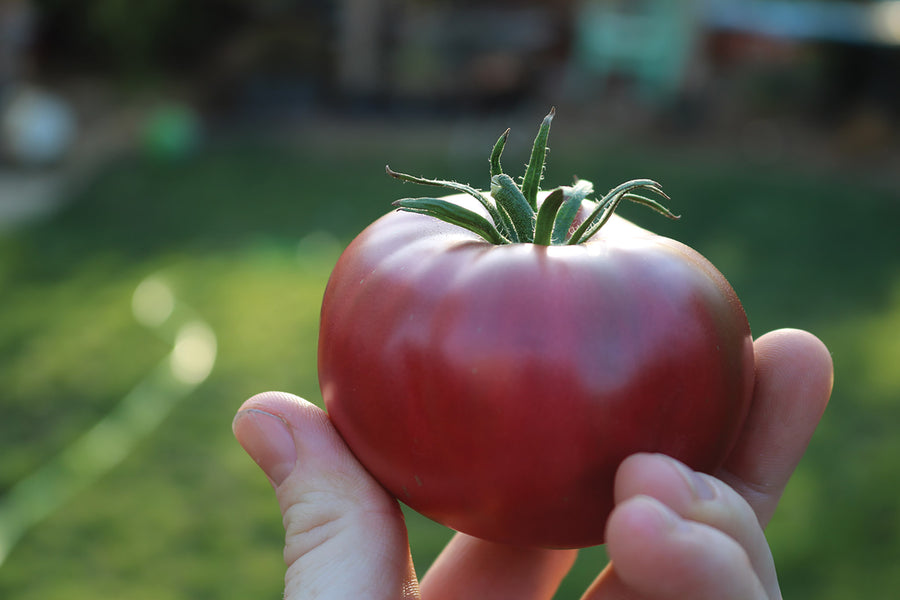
(497, 388)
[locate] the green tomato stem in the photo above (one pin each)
(513, 213)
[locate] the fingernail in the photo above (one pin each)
(268, 440)
(698, 484)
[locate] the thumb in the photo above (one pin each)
(344, 534)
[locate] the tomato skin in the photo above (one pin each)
(496, 389)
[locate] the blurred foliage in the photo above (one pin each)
(199, 42)
(246, 233)
(134, 40)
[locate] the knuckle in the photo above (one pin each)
(311, 523)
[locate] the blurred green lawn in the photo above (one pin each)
(246, 234)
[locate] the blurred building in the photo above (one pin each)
(450, 53)
(280, 56)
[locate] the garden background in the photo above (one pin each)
(178, 178)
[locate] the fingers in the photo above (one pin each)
(676, 533)
(702, 499)
(344, 535)
(697, 537)
(794, 376)
(472, 568)
(658, 555)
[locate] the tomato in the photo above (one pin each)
(496, 388)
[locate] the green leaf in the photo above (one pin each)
(569, 210)
(456, 187)
(531, 183)
(453, 214)
(509, 198)
(546, 218)
(598, 219)
(608, 204)
(653, 204)
(496, 169)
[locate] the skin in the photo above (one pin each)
(673, 534)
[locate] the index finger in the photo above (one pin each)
(794, 377)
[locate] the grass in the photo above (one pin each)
(246, 234)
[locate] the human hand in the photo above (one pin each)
(674, 533)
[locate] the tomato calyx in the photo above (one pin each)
(514, 214)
